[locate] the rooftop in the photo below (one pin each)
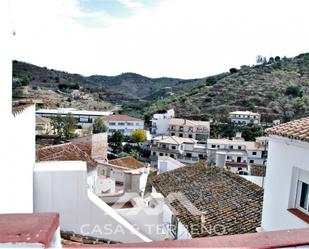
(127, 162)
(222, 198)
(296, 129)
(264, 240)
(64, 152)
(244, 113)
(28, 228)
(72, 111)
(121, 118)
(174, 140)
(250, 145)
(181, 121)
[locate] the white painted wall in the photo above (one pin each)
(17, 133)
(258, 180)
(167, 218)
(167, 163)
(149, 220)
(284, 154)
(126, 126)
(62, 187)
(17, 161)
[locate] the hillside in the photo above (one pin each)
(34, 81)
(276, 89)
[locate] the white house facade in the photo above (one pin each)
(244, 117)
(123, 123)
(287, 177)
(160, 122)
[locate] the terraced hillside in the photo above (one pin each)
(276, 89)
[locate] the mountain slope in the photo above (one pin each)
(124, 88)
(277, 89)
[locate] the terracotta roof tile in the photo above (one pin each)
(224, 199)
(127, 162)
(296, 129)
(64, 152)
(120, 118)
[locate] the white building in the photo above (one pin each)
(245, 117)
(194, 129)
(166, 163)
(237, 153)
(185, 150)
(123, 123)
(286, 194)
(84, 118)
(160, 122)
(81, 211)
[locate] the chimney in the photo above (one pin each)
(99, 146)
(131, 181)
(96, 145)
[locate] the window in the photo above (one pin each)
(190, 135)
(173, 147)
(154, 153)
(172, 155)
(188, 155)
(161, 154)
(299, 194)
(251, 161)
(174, 226)
(111, 123)
(213, 146)
(239, 147)
(121, 123)
(180, 135)
(303, 196)
(172, 134)
(130, 124)
(254, 153)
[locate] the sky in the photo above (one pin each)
(156, 38)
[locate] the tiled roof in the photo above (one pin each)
(127, 162)
(42, 120)
(257, 170)
(71, 238)
(296, 129)
(224, 199)
(120, 118)
(64, 152)
(181, 121)
(150, 178)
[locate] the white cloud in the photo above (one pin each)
(176, 38)
(131, 4)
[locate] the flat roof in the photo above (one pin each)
(73, 112)
(37, 228)
(60, 166)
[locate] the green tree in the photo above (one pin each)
(69, 127)
(294, 90)
(115, 142)
(64, 126)
(251, 131)
(139, 136)
(98, 126)
(57, 124)
(135, 154)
